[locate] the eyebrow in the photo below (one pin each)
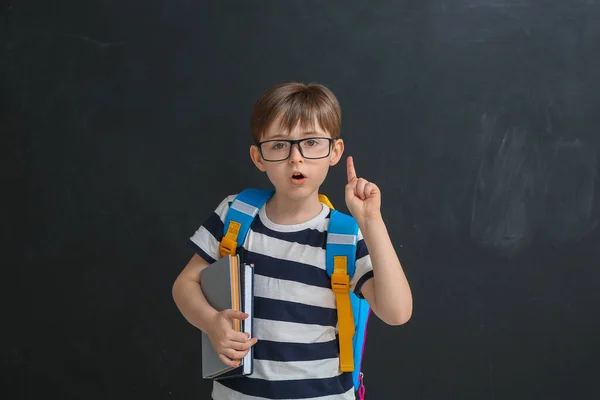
(305, 134)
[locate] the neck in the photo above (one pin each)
(284, 210)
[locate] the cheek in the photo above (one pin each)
(275, 173)
(321, 170)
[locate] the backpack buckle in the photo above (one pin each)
(229, 241)
(227, 246)
(340, 283)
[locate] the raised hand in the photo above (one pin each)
(363, 198)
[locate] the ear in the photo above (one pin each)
(257, 158)
(336, 152)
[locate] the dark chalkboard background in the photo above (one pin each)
(124, 123)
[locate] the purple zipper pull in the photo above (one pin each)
(361, 388)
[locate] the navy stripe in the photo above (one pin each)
(291, 389)
(282, 351)
(310, 237)
(287, 270)
(215, 226)
(287, 311)
(200, 252)
(361, 249)
(361, 281)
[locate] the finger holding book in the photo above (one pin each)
(230, 345)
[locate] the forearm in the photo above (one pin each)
(393, 298)
(192, 304)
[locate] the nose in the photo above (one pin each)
(295, 155)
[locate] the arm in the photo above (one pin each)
(189, 297)
(388, 293)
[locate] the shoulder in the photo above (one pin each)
(342, 222)
(224, 205)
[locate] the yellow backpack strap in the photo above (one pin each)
(340, 283)
(341, 250)
(229, 242)
(323, 199)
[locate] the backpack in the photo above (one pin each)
(342, 237)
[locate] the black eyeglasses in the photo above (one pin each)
(311, 148)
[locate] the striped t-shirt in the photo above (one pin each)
(295, 317)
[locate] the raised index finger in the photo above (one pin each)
(350, 169)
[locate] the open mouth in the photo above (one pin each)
(298, 178)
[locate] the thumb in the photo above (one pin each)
(234, 314)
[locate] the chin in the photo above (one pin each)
(297, 192)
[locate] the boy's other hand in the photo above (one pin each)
(230, 345)
(363, 198)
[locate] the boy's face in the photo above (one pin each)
(296, 177)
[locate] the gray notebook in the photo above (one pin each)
(228, 285)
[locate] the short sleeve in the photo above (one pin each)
(206, 240)
(364, 267)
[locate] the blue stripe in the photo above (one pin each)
(357, 289)
(280, 310)
(310, 237)
(287, 270)
(215, 226)
(201, 252)
(291, 389)
(282, 351)
(361, 249)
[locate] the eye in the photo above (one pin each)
(279, 145)
(311, 142)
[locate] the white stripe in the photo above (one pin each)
(363, 265)
(341, 238)
(280, 289)
(291, 332)
(206, 241)
(284, 371)
(284, 250)
(244, 208)
(320, 222)
(221, 392)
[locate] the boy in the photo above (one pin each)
(296, 129)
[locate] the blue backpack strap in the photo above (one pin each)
(342, 236)
(241, 213)
(361, 310)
